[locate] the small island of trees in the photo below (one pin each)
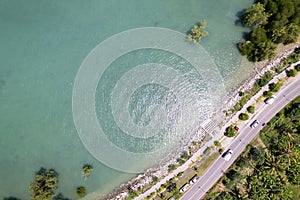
(197, 32)
(44, 185)
(86, 170)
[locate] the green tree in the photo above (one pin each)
(264, 80)
(230, 131)
(250, 109)
(81, 191)
(244, 116)
(258, 35)
(293, 173)
(86, 170)
(292, 32)
(256, 15)
(274, 87)
(246, 47)
(242, 162)
(197, 32)
(291, 73)
(233, 175)
(45, 184)
(267, 94)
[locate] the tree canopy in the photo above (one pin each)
(256, 15)
(197, 32)
(272, 22)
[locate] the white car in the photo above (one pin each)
(270, 100)
(254, 124)
(184, 188)
(194, 179)
(227, 155)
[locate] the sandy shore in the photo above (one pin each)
(145, 179)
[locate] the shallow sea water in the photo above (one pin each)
(43, 44)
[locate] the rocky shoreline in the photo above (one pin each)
(143, 180)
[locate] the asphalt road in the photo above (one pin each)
(214, 173)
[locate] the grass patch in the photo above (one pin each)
(296, 191)
(207, 163)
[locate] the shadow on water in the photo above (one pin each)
(11, 198)
(2, 84)
(239, 15)
(60, 197)
(245, 35)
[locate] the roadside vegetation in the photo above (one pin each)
(172, 187)
(292, 58)
(261, 82)
(246, 95)
(272, 22)
(269, 168)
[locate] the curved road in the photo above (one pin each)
(212, 175)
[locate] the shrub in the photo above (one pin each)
(274, 87)
(243, 101)
(233, 174)
(192, 165)
(171, 187)
(180, 174)
(267, 94)
(237, 107)
(297, 67)
(257, 155)
(180, 161)
(291, 73)
(241, 93)
(260, 98)
(171, 167)
(154, 179)
(199, 158)
(242, 162)
(250, 109)
(243, 116)
(221, 150)
(207, 151)
(264, 79)
(185, 155)
(217, 143)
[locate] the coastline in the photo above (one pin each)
(145, 179)
(260, 68)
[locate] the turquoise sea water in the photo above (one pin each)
(42, 45)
